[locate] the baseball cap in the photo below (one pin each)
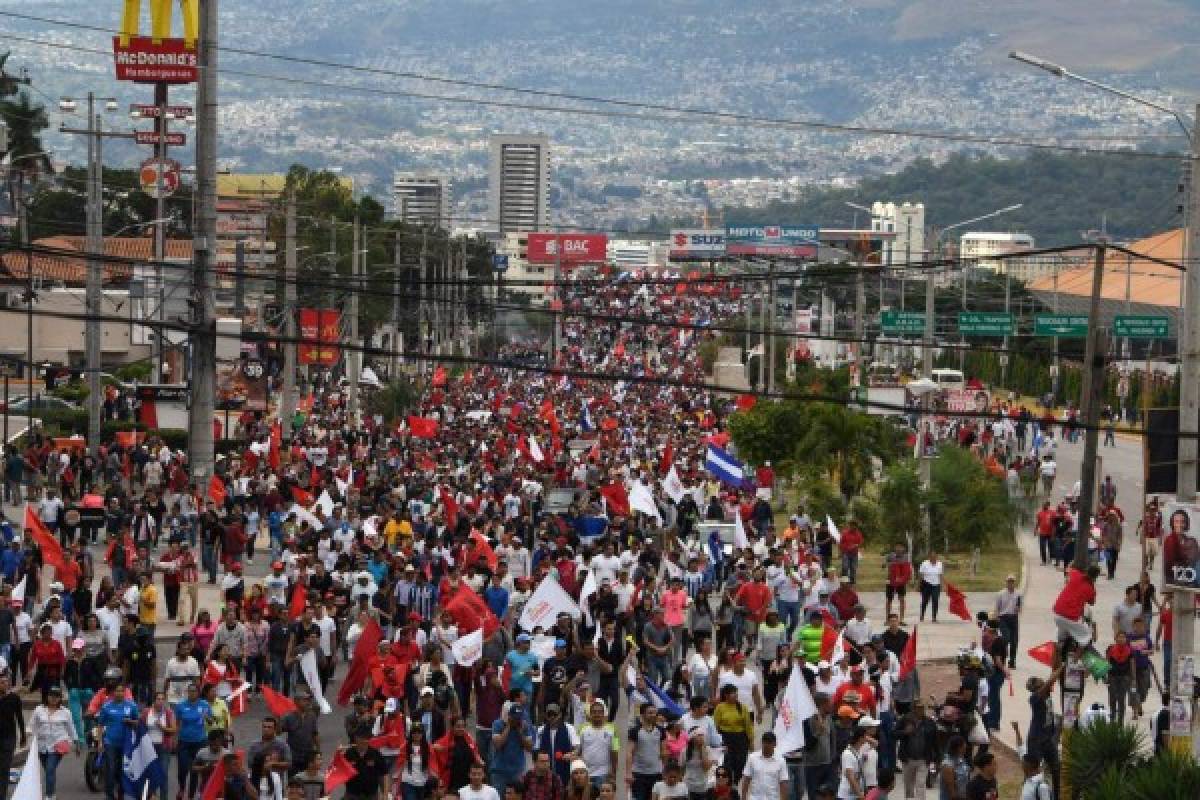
(847, 712)
(523, 638)
(427, 691)
(276, 565)
(559, 643)
(823, 664)
(552, 708)
(578, 764)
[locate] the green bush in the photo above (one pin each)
(968, 506)
(137, 371)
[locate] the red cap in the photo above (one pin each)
(237, 567)
(739, 657)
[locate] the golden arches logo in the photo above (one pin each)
(160, 21)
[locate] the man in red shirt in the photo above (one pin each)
(1079, 592)
(1045, 530)
(752, 599)
(899, 573)
(851, 543)
(859, 686)
(844, 599)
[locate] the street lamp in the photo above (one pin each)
(922, 389)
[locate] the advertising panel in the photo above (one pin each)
(241, 385)
(1181, 547)
(786, 241)
(320, 329)
(143, 60)
(566, 248)
(697, 243)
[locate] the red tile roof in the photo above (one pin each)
(72, 270)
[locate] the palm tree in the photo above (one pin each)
(25, 120)
(845, 444)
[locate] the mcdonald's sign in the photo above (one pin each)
(320, 332)
(157, 58)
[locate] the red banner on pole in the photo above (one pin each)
(320, 330)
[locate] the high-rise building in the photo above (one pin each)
(980, 250)
(422, 199)
(519, 182)
(907, 221)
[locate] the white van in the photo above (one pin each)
(948, 379)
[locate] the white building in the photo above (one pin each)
(422, 199)
(515, 246)
(980, 250)
(636, 254)
(907, 221)
(519, 182)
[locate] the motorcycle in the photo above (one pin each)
(94, 762)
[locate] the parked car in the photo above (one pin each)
(39, 402)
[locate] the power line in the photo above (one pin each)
(716, 118)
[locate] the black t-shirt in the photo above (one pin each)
(6, 625)
(12, 719)
(554, 676)
(981, 788)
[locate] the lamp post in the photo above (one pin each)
(922, 389)
(19, 205)
(1183, 603)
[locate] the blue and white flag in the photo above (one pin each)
(727, 468)
(142, 767)
(585, 419)
(716, 547)
(662, 700)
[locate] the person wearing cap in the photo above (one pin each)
(370, 780)
(917, 739)
(557, 738)
(1035, 785)
(522, 662)
(851, 780)
(276, 584)
(766, 773)
(859, 686)
(511, 742)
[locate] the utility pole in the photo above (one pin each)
(749, 302)
(95, 278)
(1183, 606)
(558, 293)
(927, 348)
(393, 362)
(424, 332)
(23, 229)
(287, 403)
(1054, 367)
(157, 349)
(353, 353)
(860, 320)
(1094, 358)
(204, 350)
(1004, 357)
(462, 296)
(769, 321)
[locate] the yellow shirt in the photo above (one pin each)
(403, 529)
(733, 718)
(148, 605)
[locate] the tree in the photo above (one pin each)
(394, 400)
(903, 499)
(845, 444)
(968, 506)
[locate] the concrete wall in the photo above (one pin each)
(61, 340)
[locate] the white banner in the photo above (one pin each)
(640, 499)
(673, 486)
(325, 503)
(548, 601)
(796, 706)
(740, 539)
(589, 589)
(308, 668)
(468, 649)
(833, 529)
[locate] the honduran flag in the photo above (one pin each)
(586, 424)
(143, 772)
(661, 699)
(727, 468)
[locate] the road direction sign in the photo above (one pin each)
(985, 323)
(151, 137)
(892, 321)
(1139, 326)
(1067, 326)
(151, 111)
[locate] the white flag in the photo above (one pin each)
(29, 787)
(833, 530)
(18, 593)
(673, 486)
(640, 499)
(740, 540)
(535, 449)
(837, 653)
(589, 589)
(547, 602)
(796, 706)
(343, 485)
(325, 503)
(304, 515)
(468, 649)
(308, 668)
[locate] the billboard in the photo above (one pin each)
(786, 241)
(1180, 547)
(241, 385)
(143, 60)
(320, 330)
(697, 243)
(566, 248)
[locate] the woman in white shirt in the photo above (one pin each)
(931, 570)
(702, 664)
(161, 727)
(55, 731)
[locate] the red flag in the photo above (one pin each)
(450, 505)
(829, 637)
(617, 498)
(302, 497)
(471, 613)
(364, 651)
(668, 458)
(340, 770)
(908, 656)
(958, 602)
(237, 701)
(594, 453)
(439, 378)
(484, 548)
(216, 490)
(214, 673)
(299, 600)
(1043, 654)
(66, 570)
(278, 704)
(745, 402)
(422, 427)
(273, 452)
(216, 782)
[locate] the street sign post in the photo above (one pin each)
(153, 137)
(892, 321)
(985, 323)
(149, 178)
(1139, 326)
(1067, 326)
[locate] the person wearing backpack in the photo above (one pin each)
(1035, 787)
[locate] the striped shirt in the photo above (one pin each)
(421, 600)
(692, 582)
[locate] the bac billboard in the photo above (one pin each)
(697, 243)
(786, 241)
(567, 248)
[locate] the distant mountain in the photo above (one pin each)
(916, 64)
(1062, 196)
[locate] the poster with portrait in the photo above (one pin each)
(1181, 546)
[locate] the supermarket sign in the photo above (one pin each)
(141, 59)
(788, 241)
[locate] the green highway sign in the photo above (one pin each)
(1138, 326)
(902, 322)
(985, 323)
(1071, 326)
